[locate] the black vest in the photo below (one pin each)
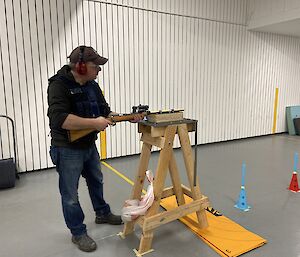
(88, 100)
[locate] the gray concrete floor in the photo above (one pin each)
(31, 221)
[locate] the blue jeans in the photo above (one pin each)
(70, 164)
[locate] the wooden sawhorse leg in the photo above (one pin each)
(139, 183)
(189, 164)
(158, 186)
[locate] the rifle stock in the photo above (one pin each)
(77, 134)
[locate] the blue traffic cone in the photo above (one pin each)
(242, 201)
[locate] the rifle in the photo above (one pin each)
(140, 109)
(143, 110)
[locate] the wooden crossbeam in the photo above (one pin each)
(168, 216)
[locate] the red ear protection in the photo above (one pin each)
(80, 65)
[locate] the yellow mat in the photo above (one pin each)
(223, 235)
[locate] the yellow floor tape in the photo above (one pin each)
(223, 235)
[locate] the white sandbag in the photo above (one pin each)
(134, 208)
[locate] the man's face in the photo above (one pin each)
(92, 70)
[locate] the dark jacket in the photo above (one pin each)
(66, 96)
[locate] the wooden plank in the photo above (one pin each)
(188, 158)
(157, 220)
(143, 165)
(140, 221)
(176, 180)
(159, 131)
(143, 128)
(146, 241)
(139, 182)
(157, 141)
(163, 163)
(186, 190)
(169, 191)
(189, 164)
(154, 131)
(165, 117)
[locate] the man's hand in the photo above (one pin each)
(137, 117)
(73, 122)
(101, 123)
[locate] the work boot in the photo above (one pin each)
(85, 243)
(109, 218)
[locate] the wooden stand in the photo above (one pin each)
(162, 136)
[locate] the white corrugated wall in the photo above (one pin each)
(192, 54)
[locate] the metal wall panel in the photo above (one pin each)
(192, 54)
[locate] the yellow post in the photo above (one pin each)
(275, 111)
(103, 145)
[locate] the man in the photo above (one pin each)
(76, 102)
